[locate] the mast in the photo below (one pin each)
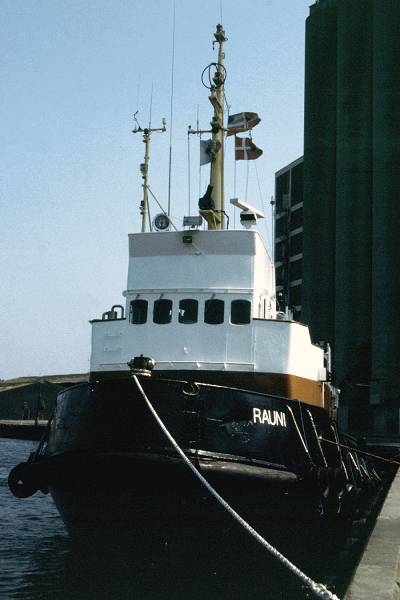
(144, 169)
(211, 205)
(217, 126)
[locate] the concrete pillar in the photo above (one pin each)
(319, 174)
(380, 418)
(353, 192)
(386, 203)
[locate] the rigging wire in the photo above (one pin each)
(149, 218)
(138, 93)
(151, 105)
(161, 208)
(234, 172)
(197, 126)
(188, 147)
(171, 112)
(234, 182)
(225, 134)
(262, 204)
(247, 180)
(272, 202)
(228, 106)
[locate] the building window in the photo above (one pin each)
(280, 275)
(295, 295)
(296, 244)
(162, 311)
(214, 312)
(138, 312)
(281, 250)
(296, 219)
(297, 184)
(296, 269)
(282, 189)
(240, 312)
(188, 311)
(281, 226)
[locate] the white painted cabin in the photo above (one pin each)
(173, 273)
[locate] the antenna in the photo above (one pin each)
(138, 91)
(197, 127)
(171, 112)
(151, 105)
(273, 228)
(188, 149)
(144, 167)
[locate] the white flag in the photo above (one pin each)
(205, 155)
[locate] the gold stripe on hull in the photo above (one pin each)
(291, 387)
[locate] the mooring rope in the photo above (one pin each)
(319, 589)
(388, 460)
(299, 434)
(317, 438)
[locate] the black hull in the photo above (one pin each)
(207, 421)
(107, 459)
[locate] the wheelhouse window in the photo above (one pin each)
(240, 312)
(214, 311)
(162, 311)
(188, 311)
(138, 312)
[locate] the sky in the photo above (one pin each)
(73, 74)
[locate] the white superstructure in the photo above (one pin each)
(203, 300)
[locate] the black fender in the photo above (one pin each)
(20, 481)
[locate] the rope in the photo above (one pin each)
(45, 436)
(318, 588)
(388, 460)
(353, 460)
(300, 436)
(302, 422)
(335, 435)
(317, 438)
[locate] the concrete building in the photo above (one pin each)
(351, 281)
(289, 235)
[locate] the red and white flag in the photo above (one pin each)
(245, 149)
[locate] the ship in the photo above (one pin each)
(234, 379)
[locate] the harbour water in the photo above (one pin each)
(39, 561)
